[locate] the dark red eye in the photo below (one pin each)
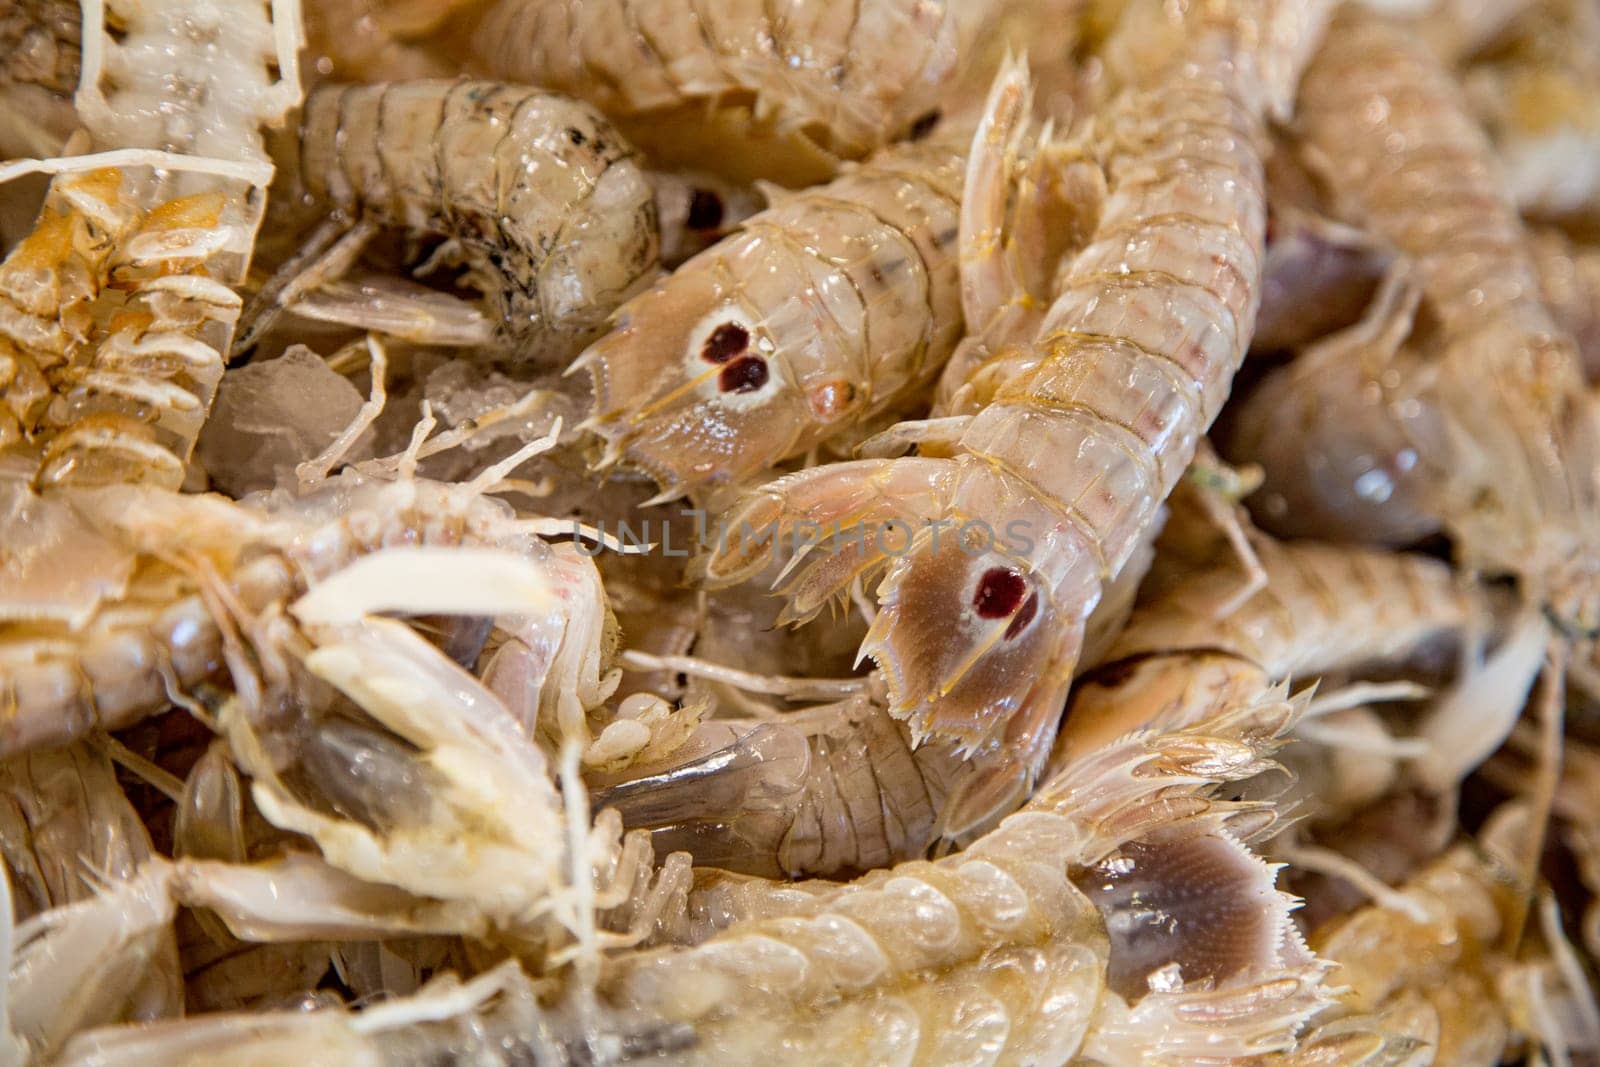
(725, 342)
(743, 376)
(999, 592)
(705, 210)
(1025, 614)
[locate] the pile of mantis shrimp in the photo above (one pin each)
(802, 531)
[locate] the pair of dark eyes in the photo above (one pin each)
(728, 346)
(1003, 592)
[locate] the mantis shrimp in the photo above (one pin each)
(1488, 412)
(976, 638)
(833, 306)
(992, 953)
(842, 787)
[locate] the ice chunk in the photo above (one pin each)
(270, 416)
(465, 390)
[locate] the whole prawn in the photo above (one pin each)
(982, 614)
(847, 78)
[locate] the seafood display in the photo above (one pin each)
(688, 531)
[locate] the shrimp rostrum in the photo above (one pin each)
(1069, 439)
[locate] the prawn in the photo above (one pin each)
(540, 196)
(804, 84)
(982, 615)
